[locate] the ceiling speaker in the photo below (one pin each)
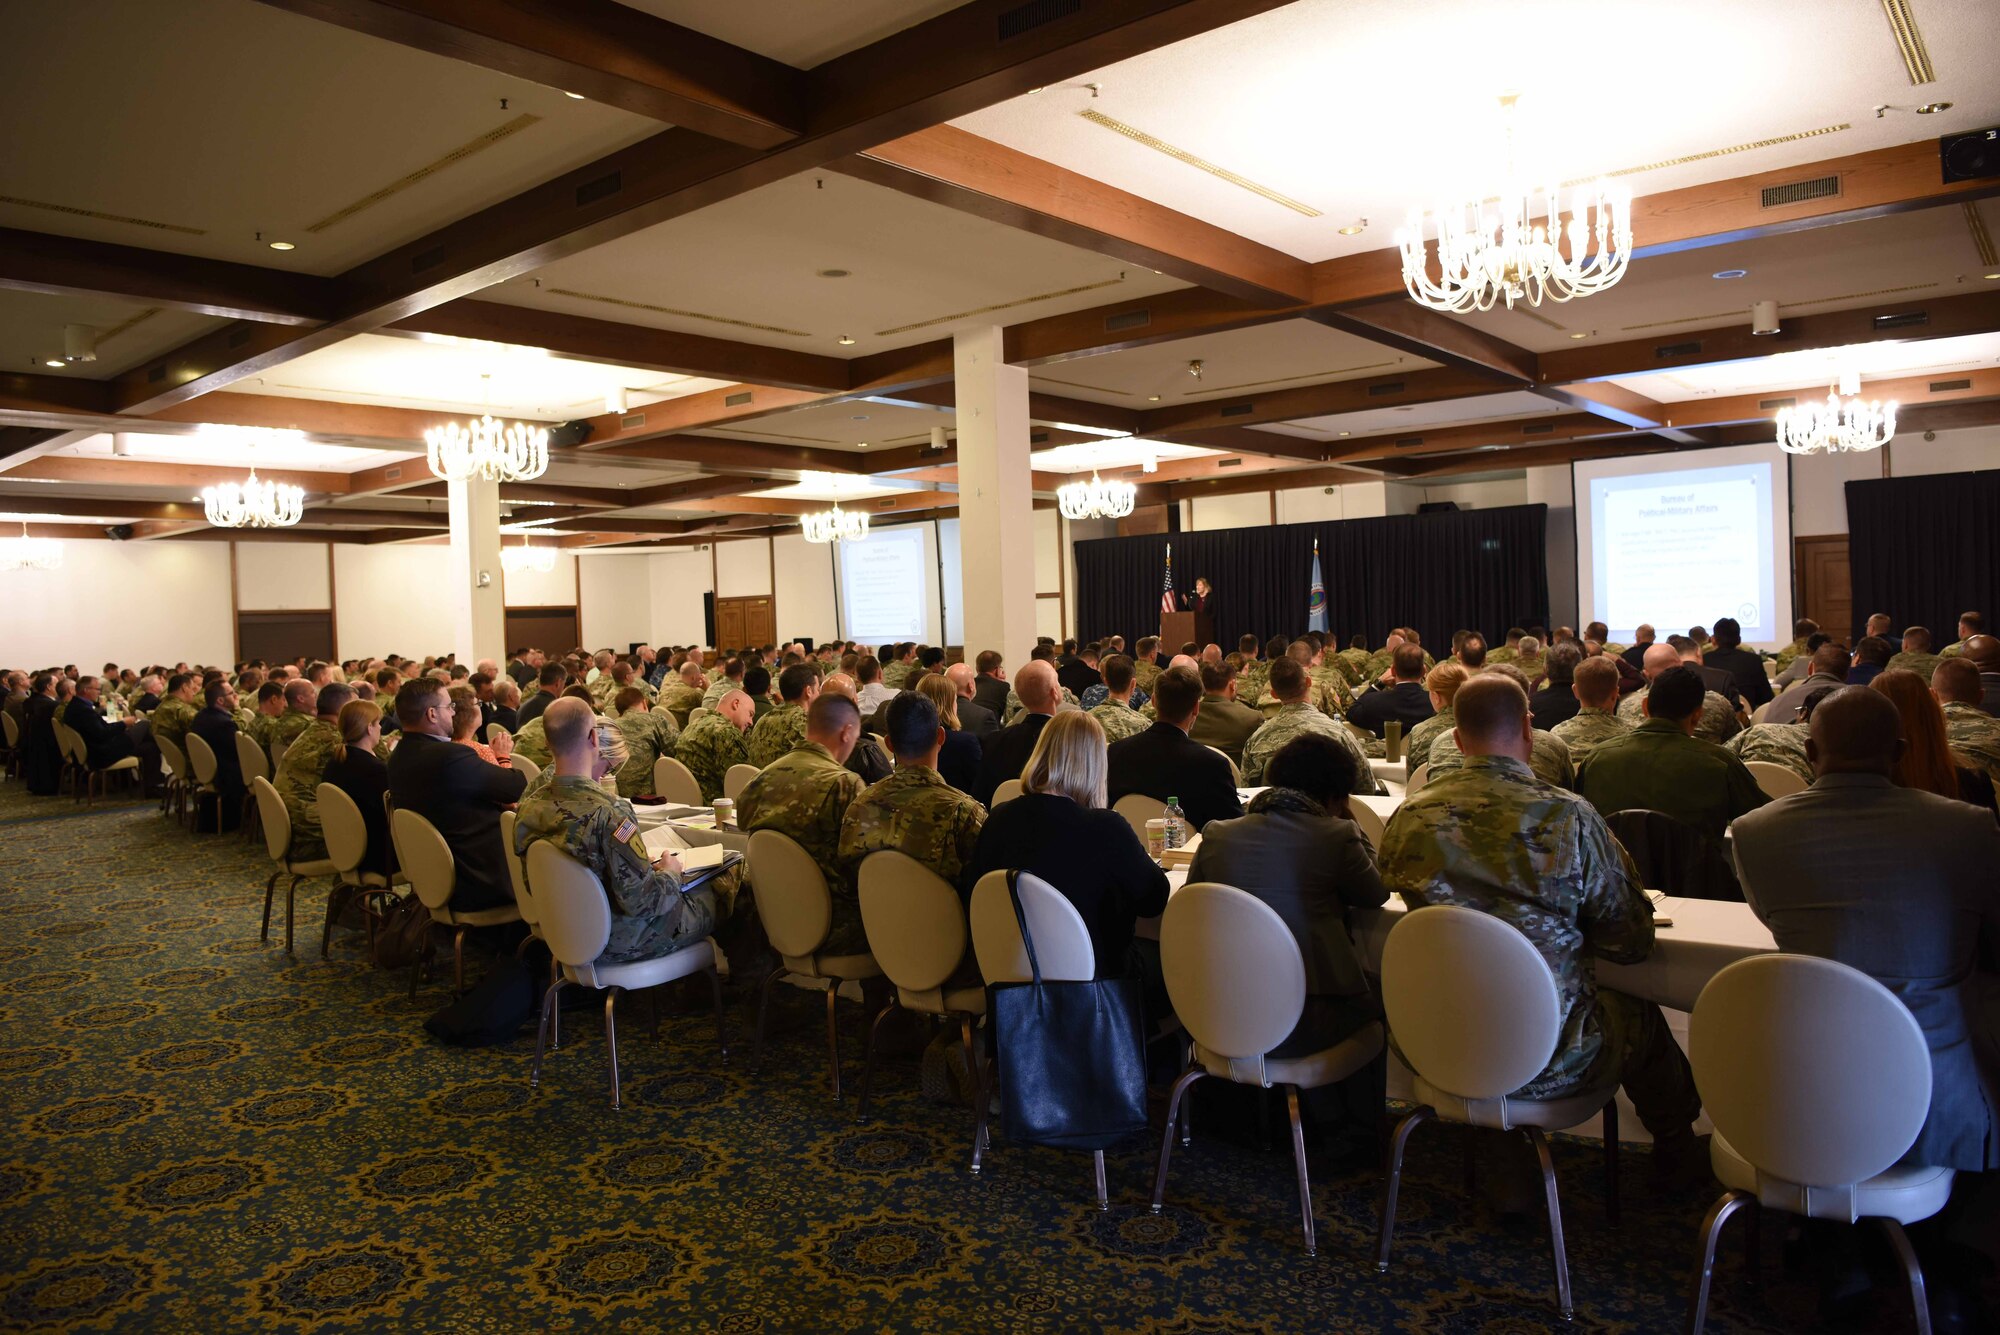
(566, 434)
(1973, 156)
(118, 532)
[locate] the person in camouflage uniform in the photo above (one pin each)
(1719, 721)
(1117, 715)
(1916, 655)
(805, 795)
(1972, 733)
(685, 695)
(1352, 661)
(1548, 757)
(532, 741)
(1597, 720)
(1289, 687)
(730, 679)
(1774, 744)
(1442, 682)
(1145, 671)
(712, 743)
(175, 713)
(604, 691)
(647, 733)
(1492, 837)
(1529, 657)
(651, 915)
(913, 811)
(304, 767)
(300, 699)
(1802, 630)
(784, 727)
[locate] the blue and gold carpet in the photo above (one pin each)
(203, 1135)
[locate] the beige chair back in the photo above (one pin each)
(675, 782)
(1369, 822)
(1235, 771)
(1762, 712)
(517, 872)
(914, 920)
(250, 758)
(1419, 776)
(1137, 809)
(1062, 942)
(792, 898)
(345, 832)
(1470, 1000)
(13, 730)
(1234, 972)
(68, 743)
(496, 727)
(425, 858)
(1008, 790)
(175, 759)
(575, 914)
(736, 779)
(699, 711)
(1812, 1071)
(525, 767)
(278, 750)
(1776, 780)
(201, 757)
(271, 814)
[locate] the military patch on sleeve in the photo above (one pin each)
(626, 829)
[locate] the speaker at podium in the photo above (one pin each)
(1179, 628)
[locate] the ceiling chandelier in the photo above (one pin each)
(1493, 250)
(835, 525)
(491, 449)
(253, 504)
(26, 553)
(1839, 424)
(527, 559)
(1096, 499)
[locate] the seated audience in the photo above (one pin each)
(1442, 683)
(730, 680)
(1826, 667)
(647, 734)
(958, 758)
(299, 775)
(915, 810)
(784, 727)
(1871, 656)
(990, 690)
(1802, 632)
(1007, 751)
(1080, 673)
(871, 691)
(466, 719)
(551, 681)
(869, 760)
(1916, 655)
(457, 792)
(1984, 651)
(1719, 720)
(1407, 702)
(1780, 743)
(1927, 761)
(1714, 678)
(712, 743)
(1548, 757)
(176, 710)
(805, 794)
(1973, 734)
(1662, 766)
(1969, 625)
(1223, 723)
(216, 725)
(356, 770)
(1596, 719)
(1115, 712)
(1289, 687)
(1556, 701)
(973, 716)
(104, 742)
(1164, 762)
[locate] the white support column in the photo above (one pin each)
(996, 516)
(479, 617)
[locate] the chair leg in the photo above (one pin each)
(1915, 1272)
(1174, 1112)
(721, 1031)
(458, 963)
(763, 1010)
(868, 1065)
(978, 1091)
(291, 898)
(1299, 1161)
(1711, 1230)
(611, 1042)
(270, 889)
(1103, 1195)
(332, 907)
(833, 1033)
(417, 964)
(549, 1008)
(1187, 1109)
(1417, 1117)
(1611, 1161)
(1541, 1144)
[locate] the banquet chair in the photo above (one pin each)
(1761, 712)
(1137, 809)
(1062, 947)
(736, 778)
(179, 776)
(277, 824)
(1817, 1079)
(202, 764)
(699, 711)
(426, 859)
(346, 835)
(575, 921)
(1776, 780)
(1419, 776)
(72, 770)
(487, 731)
(917, 931)
(278, 750)
(1369, 822)
(797, 912)
(1235, 770)
(1673, 856)
(11, 753)
(526, 768)
(1238, 984)
(1008, 790)
(1476, 1016)
(676, 782)
(255, 764)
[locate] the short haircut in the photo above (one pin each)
(1728, 632)
(1957, 678)
(1246, 644)
(1829, 660)
(830, 713)
(911, 725)
(1511, 673)
(1045, 653)
(1857, 726)
(1489, 705)
(270, 690)
(1596, 682)
(300, 695)
(564, 727)
(1119, 673)
(1803, 627)
(413, 698)
(1275, 647)
(627, 697)
(1177, 693)
(1676, 693)
(868, 669)
(1972, 621)
(1598, 631)
(1288, 679)
(175, 682)
(1215, 677)
(1148, 646)
(332, 696)
(757, 681)
(1315, 764)
(792, 682)
(1446, 678)
(1408, 662)
(990, 661)
(931, 657)
(1920, 636)
(1873, 649)
(1561, 664)
(1682, 644)
(1473, 652)
(552, 676)
(216, 690)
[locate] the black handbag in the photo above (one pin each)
(1071, 1056)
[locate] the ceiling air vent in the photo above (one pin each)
(1777, 403)
(631, 421)
(1538, 428)
(736, 400)
(1028, 17)
(604, 187)
(1237, 410)
(1229, 463)
(1127, 320)
(1407, 442)
(1798, 192)
(392, 472)
(1901, 320)
(1947, 386)
(1666, 351)
(427, 259)
(1039, 438)
(1385, 387)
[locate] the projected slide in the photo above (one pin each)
(1681, 540)
(882, 585)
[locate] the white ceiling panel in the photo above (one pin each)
(128, 332)
(1261, 359)
(1509, 406)
(804, 33)
(1794, 370)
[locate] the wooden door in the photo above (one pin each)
(550, 629)
(1826, 583)
(745, 623)
(280, 637)
(729, 623)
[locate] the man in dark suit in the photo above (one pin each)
(990, 691)
(104, 741)
(1726, 651)
(1713, 678)
(1222, 721)
(1080, 673)
(1407, 701)
(553, 679)
(974, 717)
(1897, 883)
(1163, 761)
(1556, 702)
(1007, 751)
(1635, 654)
(455, 790)
(216, 725)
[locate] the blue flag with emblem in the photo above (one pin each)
(1316, 604)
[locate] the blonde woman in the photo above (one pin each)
(958, 762)
(1060, 830)
(357, 771)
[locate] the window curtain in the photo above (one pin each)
(1924, 549)
(1478, 569)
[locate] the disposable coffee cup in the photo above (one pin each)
(1156, 838)
(725, 812)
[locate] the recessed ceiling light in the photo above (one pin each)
(861, 445)
(1152, 398)
(845, 340)
(835, 273)
(1579, 335)
(1347, 433)
(1933, 108)
(1730, 273)
(1990, 277)
(577, 96)
(1355, 229)
(858, 417)
(57, 362)
(283, 245)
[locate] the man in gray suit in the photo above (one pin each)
(1897, 883)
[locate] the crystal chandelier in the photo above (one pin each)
(1484, 255)
(488, 448)
(26, 553)
(527, 559)
(253, 504)
(1839, 424)
(1096, 499)
(835, 525)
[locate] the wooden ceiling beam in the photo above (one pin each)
(1324, 400)
(97, 508)
(1401, 324)
(147, 473)
(1908, 391)
(72, 266)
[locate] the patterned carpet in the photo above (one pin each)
(202, 1135)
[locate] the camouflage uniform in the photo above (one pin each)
(1783, 657)
(913, 811)
(1119, 721)
(171, 720)
(1093, 696)
(1548, 757)
(1253, 681)
(1952, 650)
(1921, 664)
(532, 741)
(1417, 746)
(287, 726)
(650, 917)
(896, 675)
(775, 733)
(1718, 719)
(1330, 690)
(1534, 669)
(1353, 665)
(1289, 722)
(1503, 654)
(246, 719)
(1775, 744)
(708, 747)
(805, 794)
(721, 687)
(649, 734)
(680, 700)
(1144, 671)
(1974, 736)
(1585, 730)
(1492, 837)
(298, 783)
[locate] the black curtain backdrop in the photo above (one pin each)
(1484, 570)
(1924, 549)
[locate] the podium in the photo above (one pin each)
(1177, 628)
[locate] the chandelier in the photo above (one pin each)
(253, 504)
(835, 525)
(1488, 254)
(1839, 424)
(1096, 499)
(488, 448)
(26, 553)
(526, 559)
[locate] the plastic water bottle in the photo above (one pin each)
(1177, 826)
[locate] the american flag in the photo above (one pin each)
(1167, 593)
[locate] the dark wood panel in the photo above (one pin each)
(553, 630)
(1825, 582)
(280, 637)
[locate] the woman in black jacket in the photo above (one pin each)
(357, 771)
(958, 762)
